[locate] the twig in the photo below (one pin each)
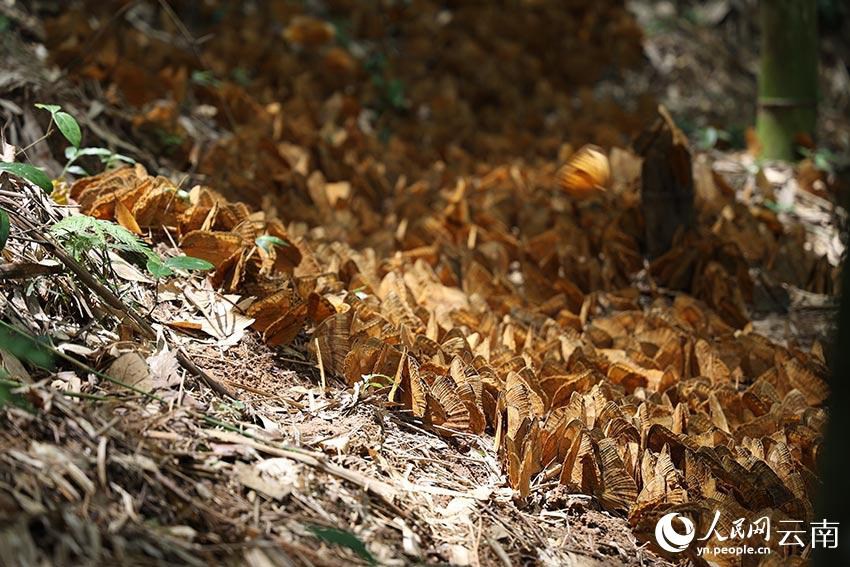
(19, 270)
(39, 140)
(295, 361)
(180, 493)
(499, 551)
(315, 460)
(321, 367)
(477, 542)
(81, 395)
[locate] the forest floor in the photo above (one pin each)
(381, 226)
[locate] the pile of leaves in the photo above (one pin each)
(447, 256)
(646, 398)
(435, 78)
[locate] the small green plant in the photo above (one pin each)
(776, 207)
(707, 138)
(205, 78)
(70, 129)
(242, 76)
(390, 90)
(6, 393)
(822, 159)
(107, 157)
(343, 538)
(161, 268)
(81, 233)
(232, 408)
(268, 242)
(66, 123)
(4, 228)
(376, 381)
(27, 349)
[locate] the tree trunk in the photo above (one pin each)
(667, 183)
(787, 104)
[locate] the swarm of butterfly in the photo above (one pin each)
(651, 408)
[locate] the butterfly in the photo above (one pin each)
(586, 172)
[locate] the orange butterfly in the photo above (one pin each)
(586, 172)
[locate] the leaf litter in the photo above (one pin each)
(485, 367)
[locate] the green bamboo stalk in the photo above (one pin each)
(787, 84)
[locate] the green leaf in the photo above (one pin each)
(266, 242)
(24, 347)
(7, 396)
(81, 233)
(30, 173)
(118, 157)
(5, 393)
(103, 152)
(345, 539)
(77, 170)
(66, 123)
(4, 228)
(395, 93)
(776, 207)
(188, 263)
(51, 108)
(157, 268)
(205, 78)
(68, 126)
